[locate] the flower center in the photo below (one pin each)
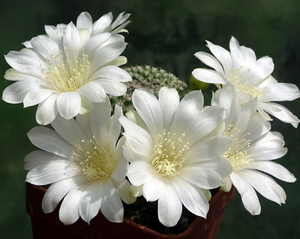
(168, 153)
(246, 83)
(97, 163)
(66, 75)
(237, 153)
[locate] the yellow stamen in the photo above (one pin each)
(67, 75)
(237, 153)
(96, 163)
(243, 84)
(169, 153)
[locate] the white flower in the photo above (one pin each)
(84, 21)
(66, 76)
(251, 153)
(103, 24)
(251, 77)
(175, 151)
(83, 164)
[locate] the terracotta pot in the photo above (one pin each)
(46, 226)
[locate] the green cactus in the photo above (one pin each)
(151, 78)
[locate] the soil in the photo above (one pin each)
(145, 213)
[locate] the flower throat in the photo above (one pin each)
(68, 75)
(168, 153)
(95, 163)
(237, 153)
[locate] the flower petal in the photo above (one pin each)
(211, 118)
(47, 110)
(101, 113)
(245, 116)
(281, 92)
(69, 209)
(169, 101)
(50, 141)
(149, 109)
(91, 201)
(103, 22)
(68, 104)
(112, 87)
(45, 174)
(169, 206)
(188, 113)
(92, 91)
(274, 169)
(114, 73)
(208, 76)
(120, 170)
(264, 67)
(265, 185)
(106, 54)
(192, 198)
(14, 75)
(248, 194)
(209, 149)
(210, 60)
(153, 188)
(71, 40)
(115, 127)
(268, 147)
(249, 57)
(124, 190)
(222, 55)
(38, 157)
(201, 177)
(122, 17)
(36, 96)
(58, 190)
(84, 21)
(236, 53)
(95, 43)
(112, 207)
(16, 92)
(258, 126)
(45, 47)
(139, 172)
(69, 130)
(138, 140)
(24, 62)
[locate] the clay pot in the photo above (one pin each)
(46, 226)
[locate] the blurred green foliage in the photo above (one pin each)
(163, 34)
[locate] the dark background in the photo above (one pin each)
(165, 34)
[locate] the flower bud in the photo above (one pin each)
(196, 84)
